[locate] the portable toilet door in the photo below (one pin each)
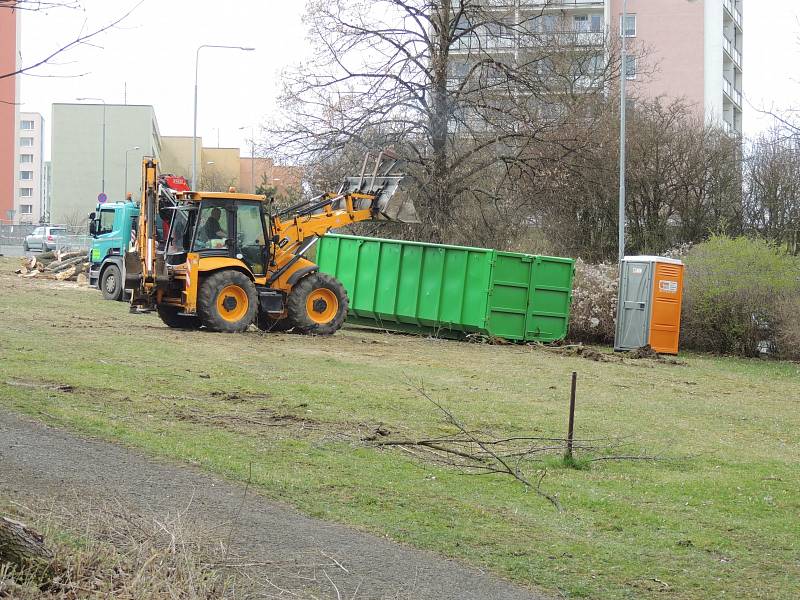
(649, 304)
(633, 303)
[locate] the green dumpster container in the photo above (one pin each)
(450, 290)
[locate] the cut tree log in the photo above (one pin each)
(31, 262)
(83, 280)
(56, 267)
(66, 273)
(62, 256)
(50, 255)
(23, 547)
(33, 273)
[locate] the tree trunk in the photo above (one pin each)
(22, 547)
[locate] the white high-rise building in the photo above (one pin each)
(29, 189)
(690, 49)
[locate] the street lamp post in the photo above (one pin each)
(622, 142)
(125, 191)
(194, 130)
(252, 158)
(103, 182)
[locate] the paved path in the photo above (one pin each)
(47, 462)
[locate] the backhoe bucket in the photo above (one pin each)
(393, 202)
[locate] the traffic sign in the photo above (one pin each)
(101, 198)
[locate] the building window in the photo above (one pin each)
(26, 158)
(26, 175)
(26, 192)
(629, 27)
(630, 67)
(597, 23)
(550, 23)
(26, 209)
(26, 142)
(581, 23)
(26, 125)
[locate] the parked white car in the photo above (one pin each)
(44, 238)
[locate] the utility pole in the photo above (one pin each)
(622, 107)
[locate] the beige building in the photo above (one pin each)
(94, 148)
(263, 172)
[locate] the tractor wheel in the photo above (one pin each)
(265, 323)
(111, 283)
(318, 304)
(227, 301)
(169, 315)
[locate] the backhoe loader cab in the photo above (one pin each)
(224, 261)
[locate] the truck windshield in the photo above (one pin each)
(106, 222)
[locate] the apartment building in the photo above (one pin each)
(9, 110)
(690, 49)
(29, 203)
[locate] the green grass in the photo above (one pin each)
(716, 516)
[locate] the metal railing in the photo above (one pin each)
(76, 239)
(734, 11)
(733, 51)
(734, 94)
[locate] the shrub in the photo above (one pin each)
(734, 291)
(594, 303)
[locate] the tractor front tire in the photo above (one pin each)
(169, 315)
(227, 301)
(318, 304)
(111, 283)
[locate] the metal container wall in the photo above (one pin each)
(450, 290)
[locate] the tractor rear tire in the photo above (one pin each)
(169, 315)
(265, 323)
(318, 304)
(227, 301)
(111, 283)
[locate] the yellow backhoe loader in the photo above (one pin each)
(226, 260)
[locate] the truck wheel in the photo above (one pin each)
(169, 315)
(111, 283)
(318, 304)
(265, 323)
(227, 301)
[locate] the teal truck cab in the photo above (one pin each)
(110, 227)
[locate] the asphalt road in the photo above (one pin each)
(12, 251)
(43, 462)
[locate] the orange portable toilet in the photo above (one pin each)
(649, 304)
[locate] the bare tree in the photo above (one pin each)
(772, 189)
(82, 37)
(683, 182)
(467, 92)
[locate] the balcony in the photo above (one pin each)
(552, 3)
(734, 12)
(734, 52)
(731, 91)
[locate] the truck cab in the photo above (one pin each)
(110, 228)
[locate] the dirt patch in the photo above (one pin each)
(263, 419)
(55, 387)
(640, 354)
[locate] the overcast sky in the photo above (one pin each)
(153, 52)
